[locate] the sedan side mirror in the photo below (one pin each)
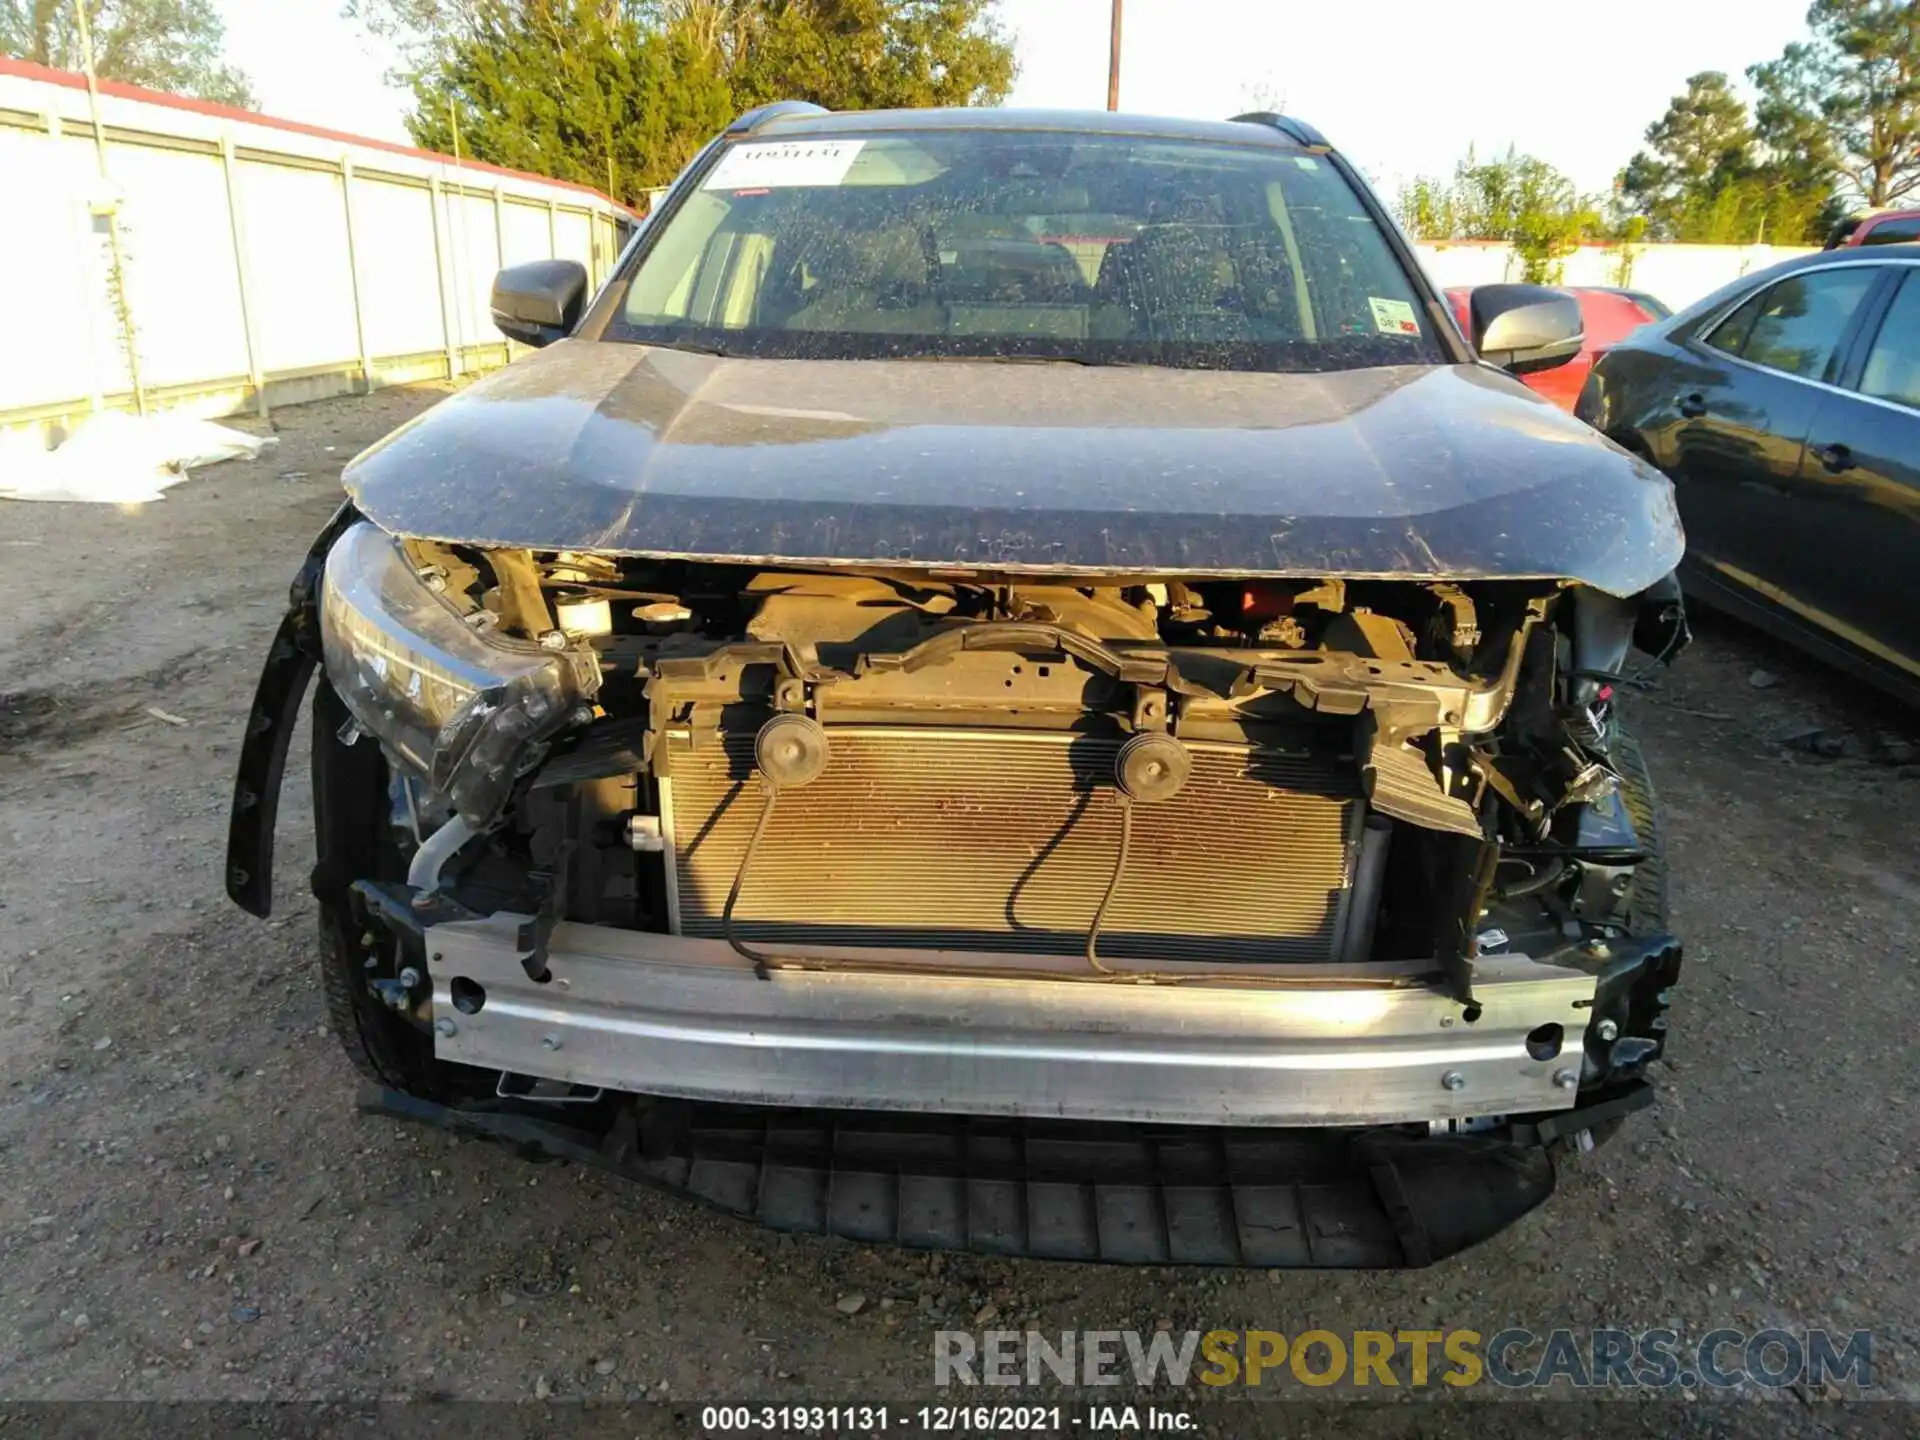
(1524, 328)
(539, 302)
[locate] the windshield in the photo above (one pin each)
(990, 244)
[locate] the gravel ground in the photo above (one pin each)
(191, 1209)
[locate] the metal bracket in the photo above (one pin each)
(1400, 781)
(1149, 709)
(1464, 626)
(403, 912)
(544, 1092)
(1604, 1106)
(1328, 595)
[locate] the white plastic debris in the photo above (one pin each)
(115, 459)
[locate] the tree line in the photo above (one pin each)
(619, 94)
(1834, 126)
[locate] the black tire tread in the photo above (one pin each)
(1647, 901)
(350, 825)
(379, 1044)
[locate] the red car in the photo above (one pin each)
(1885, 227)
(1610, 316)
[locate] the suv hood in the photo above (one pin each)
(1418, 472)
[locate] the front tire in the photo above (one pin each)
(381, 1045)
(1646, 909)
(1647, 900)
(354, 840)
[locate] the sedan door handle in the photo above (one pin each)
(1693, 406)
(1836, 458)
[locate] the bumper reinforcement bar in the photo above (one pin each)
(665, 1015)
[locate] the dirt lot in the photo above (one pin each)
(192, 1209)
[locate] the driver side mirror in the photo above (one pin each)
(539, 302)
(1524, 328)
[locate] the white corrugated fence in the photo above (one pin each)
(1677, 274)
(264, 262)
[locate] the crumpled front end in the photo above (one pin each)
(1365, 863)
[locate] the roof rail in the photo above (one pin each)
(778, 110)
(1288, 126)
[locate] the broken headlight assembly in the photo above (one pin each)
(465, 709)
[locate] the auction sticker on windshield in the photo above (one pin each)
(784, 162)
(1393, 317)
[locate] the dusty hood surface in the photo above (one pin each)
(1416, 472)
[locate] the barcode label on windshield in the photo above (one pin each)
(1393, 317)
(773, 163)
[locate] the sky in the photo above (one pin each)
(1402, 86)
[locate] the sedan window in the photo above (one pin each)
(1731, 333)
(1893, 232)
(1893, 365)
(1801, 321)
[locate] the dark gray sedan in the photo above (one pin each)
(1786, 408)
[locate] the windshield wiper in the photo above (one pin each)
(1081, 360)
(1002, 359)
(688, 346)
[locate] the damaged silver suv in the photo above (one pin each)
(1010, 682)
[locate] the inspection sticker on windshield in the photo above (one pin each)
(784, 162)
(1393, 317)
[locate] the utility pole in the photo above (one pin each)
(1113, 61)
(109, 205)
(456, 247)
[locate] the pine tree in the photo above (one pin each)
(1847, 101)
(1706, 178)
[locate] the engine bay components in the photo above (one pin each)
(1160, 783)
(977, 764)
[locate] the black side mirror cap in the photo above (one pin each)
(539, 302)
(1524, 328)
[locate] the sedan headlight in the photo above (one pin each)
(462, 708)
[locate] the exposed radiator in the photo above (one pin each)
(1005, 841)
